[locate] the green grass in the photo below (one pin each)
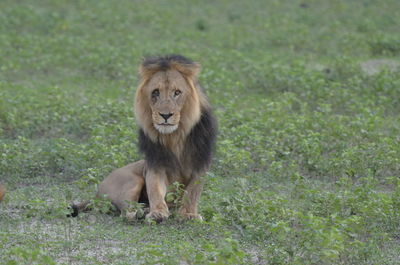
(308, 161)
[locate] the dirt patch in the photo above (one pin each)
(374, 66)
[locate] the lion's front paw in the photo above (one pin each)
(191, 216)
(157, 216)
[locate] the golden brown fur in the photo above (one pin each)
(177, 138)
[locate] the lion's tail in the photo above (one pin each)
(2, 192)
(79, 207)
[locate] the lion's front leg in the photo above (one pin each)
(156, 185)
(191, 198)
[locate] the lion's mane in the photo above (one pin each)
(190, 147)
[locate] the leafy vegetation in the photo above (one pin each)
(308, 161)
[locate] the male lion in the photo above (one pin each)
(177, 137)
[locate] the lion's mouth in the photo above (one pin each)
(166, 128)
(166, 124)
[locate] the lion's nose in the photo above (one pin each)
(166, 116)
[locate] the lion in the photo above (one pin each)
(177, 137)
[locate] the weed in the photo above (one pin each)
(308, 157)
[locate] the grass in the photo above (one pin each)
(308, 160)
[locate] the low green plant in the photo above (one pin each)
(227, 251)
(175, 194)
(18, 255)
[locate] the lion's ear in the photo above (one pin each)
(147, 71)
(191, 70)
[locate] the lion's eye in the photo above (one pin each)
(155, 93)
(177, 93)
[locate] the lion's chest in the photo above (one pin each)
(183, 172)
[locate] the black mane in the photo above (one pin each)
(198, 149)
(200, 143)
(164, 62)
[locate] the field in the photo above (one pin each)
(307, 95)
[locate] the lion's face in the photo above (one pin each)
(168, 101)
(167, 92)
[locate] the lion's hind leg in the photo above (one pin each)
(130, 202)
(124, 188)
